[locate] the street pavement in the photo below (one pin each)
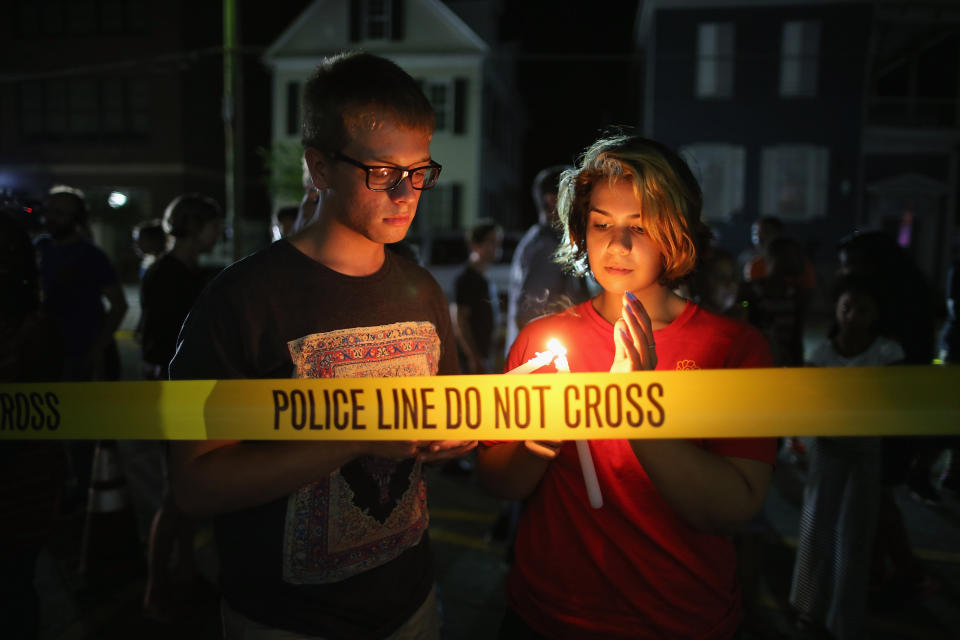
(471, 569)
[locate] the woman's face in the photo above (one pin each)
(622, 255)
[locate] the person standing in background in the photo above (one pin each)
(169, 289)
(76, 278)
(476, 307)
(175, 280)
(763, 232)
(538, 284)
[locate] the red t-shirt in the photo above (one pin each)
(633, 568)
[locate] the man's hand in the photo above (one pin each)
(445, 450)
(546, 449)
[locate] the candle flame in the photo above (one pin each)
(557, 348)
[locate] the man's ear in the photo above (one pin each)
(318, 164)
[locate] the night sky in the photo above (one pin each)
(578, 73)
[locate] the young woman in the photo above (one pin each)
(655, 561)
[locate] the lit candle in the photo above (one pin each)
(560, 362)
(558, 354)
(534, 363)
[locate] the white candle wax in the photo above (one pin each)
(589, 474)
(583, 449)
(533, 363)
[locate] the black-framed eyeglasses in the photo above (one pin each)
(385, 178)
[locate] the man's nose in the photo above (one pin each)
(403, 191)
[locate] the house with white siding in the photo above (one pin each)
(471, 91)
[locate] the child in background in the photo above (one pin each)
(655, 560)
(841, 499)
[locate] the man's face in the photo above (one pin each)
(489, 248)
(382, 217)
(209, 235)
(60, 215)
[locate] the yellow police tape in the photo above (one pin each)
(654, 404)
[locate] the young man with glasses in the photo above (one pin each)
(328, 539)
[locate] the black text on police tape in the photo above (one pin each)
(21, 411)
(450, 408)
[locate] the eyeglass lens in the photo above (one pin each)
(388, 177)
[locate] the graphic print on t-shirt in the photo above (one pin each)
(372, 509)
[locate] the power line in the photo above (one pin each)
(124, 65)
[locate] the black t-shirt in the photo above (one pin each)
(169, 289)
(472, 290)
(347, 556)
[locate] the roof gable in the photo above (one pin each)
(324, 27)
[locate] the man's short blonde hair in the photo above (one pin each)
(354, 91)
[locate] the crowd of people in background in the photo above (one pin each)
(638, 277)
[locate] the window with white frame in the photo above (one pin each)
(794, 181)
(441, 96)
(377, 19)
(444, 96)
(714, 76)
(719, 168)
(799, 58)
(84, 107)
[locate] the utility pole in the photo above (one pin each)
(233, 129)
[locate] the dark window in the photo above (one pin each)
(715, 58)
(456, 211)
(80, 17)
(293, 108)
(84, 108)
(376, 20)
(799, 58)
(460, 105)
